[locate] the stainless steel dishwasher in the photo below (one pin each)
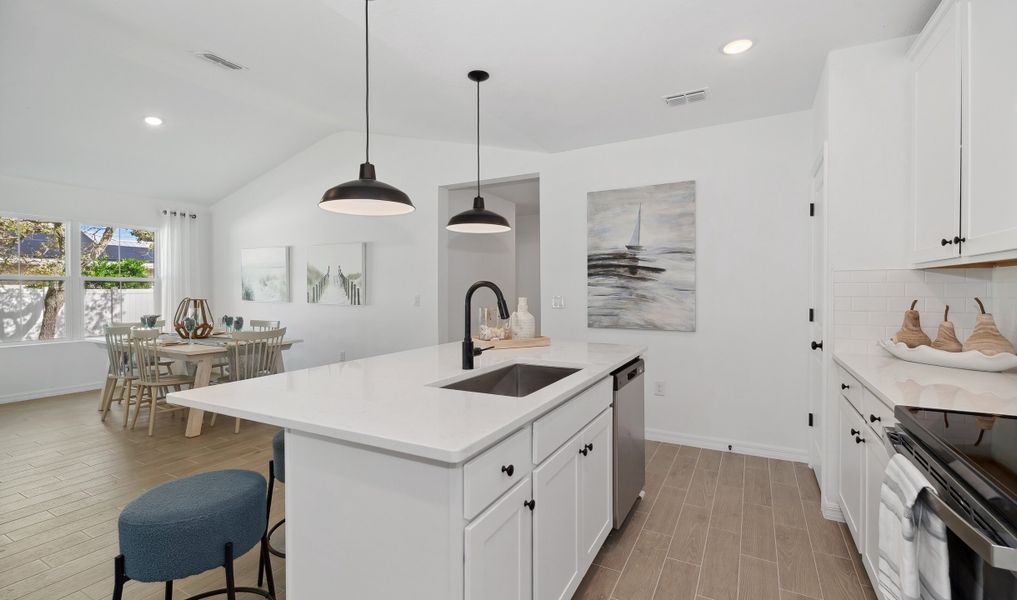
(629, 438)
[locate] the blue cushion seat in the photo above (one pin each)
(181, 528)
(279, 455)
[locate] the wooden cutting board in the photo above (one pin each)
(537, 342)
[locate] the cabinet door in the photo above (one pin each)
(990, 211)
(595, 509)
(499, 549)
(876, 459)
(936, 147)
(556, 565)
(852, 456)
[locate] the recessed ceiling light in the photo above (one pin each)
(737, 46)
(153, 121)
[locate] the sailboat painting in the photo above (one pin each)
(641, 258)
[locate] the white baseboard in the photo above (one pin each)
(46, 393)
(831, 510)
(699, 441)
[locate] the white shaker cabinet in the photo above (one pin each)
(936, 187)
(876, 459)
(595, 473)
(964, 145)
(556, 568)
(990, 128)
(498, 549)
(851, 435)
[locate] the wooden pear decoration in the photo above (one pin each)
(986, 337)
(946, 339)
(911, 332)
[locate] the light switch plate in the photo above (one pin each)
(557, 301)
(658, 388)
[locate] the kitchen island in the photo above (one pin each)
(397, 487)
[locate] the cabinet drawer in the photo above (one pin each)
(849, 388)
(556, 427)
(495, 471)
(876, 414)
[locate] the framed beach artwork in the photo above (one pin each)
(265, 274)
(337, 274)
(641, 258)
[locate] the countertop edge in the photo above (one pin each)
(445, 456)
(869, 385)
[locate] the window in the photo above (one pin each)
(118, 275)
(56, 285)
(33, 278)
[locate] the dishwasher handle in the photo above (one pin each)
(628, 373)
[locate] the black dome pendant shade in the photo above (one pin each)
(366, 196)
(478, 219)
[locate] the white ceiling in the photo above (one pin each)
(76, 77)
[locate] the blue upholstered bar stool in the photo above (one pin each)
(276, 470)
(188, 526)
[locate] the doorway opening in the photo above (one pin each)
(511, 260)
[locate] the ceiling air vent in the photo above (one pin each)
(686, 97)
(217, 60)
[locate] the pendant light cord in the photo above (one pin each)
(478, 138)
(367, 83)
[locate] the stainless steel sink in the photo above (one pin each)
(514, 380)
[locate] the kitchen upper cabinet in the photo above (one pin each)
(851, 438)
(936, 85)
(990, 140)
(595, 508)
(499, 548)
(556, 564)
(964, 144)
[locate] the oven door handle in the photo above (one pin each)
(1001, 557)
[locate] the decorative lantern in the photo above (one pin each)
(198, 309)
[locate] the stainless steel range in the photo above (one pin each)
(971, 460)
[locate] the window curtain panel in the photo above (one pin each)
(180, 264)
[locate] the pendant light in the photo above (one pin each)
(366, 196)
(478, 219)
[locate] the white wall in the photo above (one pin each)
(281, 208)
(472, 257)
(39, 369)
(868, 127)
(528, 263)
(740, 378)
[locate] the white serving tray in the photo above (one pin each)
(971, 360)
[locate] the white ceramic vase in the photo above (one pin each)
(524, 325)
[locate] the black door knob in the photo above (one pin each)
(859, 440)
(584, 451)
(945, 242)
(959, 240)
(817, 345)
(844, 386)
(854, 431)
(509, 470)
(530, 504)
(874, 418)
(589, 447)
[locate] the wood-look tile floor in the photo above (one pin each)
(64, 477)
(717, 526)
(725, 526)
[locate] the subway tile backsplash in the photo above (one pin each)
(869, 305)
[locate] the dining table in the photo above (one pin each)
(201, 357)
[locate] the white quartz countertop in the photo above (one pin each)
(898, 382)
(391, 402)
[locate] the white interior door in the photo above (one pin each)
(817, 312)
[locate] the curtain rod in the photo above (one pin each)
(174, 213)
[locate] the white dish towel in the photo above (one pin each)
(913, 557)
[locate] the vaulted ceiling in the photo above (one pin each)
(77, 77)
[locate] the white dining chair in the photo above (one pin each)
(151, 381)
(252, 354)
(121, 373)
(261, 325)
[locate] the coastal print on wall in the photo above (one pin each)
(265, 274)
(336, 274)
(641, 258)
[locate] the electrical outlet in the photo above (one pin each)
(658, 388)
(342, 356)
(416, 301)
